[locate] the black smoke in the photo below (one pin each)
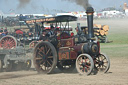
(23, 3)
(83, 3)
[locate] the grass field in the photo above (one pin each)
(118, 33)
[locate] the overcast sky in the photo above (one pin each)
(53, 6)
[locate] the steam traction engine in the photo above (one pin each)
(67, 52)
(13, 55)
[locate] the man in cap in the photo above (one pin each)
(43, 36)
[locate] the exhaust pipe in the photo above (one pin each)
(90, 12)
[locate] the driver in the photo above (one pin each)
(43, 36)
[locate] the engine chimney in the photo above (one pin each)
(90, 12)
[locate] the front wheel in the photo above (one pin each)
(102, 63)
(45, 57)
(84, 64)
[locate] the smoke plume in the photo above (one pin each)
(83, 3)
(23, 3)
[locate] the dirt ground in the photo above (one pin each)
(117, 75)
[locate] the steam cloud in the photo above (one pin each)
(83, 3)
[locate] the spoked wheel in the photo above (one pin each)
(27, 65)
(8, 42)
(1, 65)
(33, 44)
(45, 57)
(66, 68)
(102, 63)
(84, 64)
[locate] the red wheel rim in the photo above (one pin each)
(8, 42)
(84, 64)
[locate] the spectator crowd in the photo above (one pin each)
(3, 32)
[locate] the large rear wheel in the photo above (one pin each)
(84, 64)
(45, 57)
